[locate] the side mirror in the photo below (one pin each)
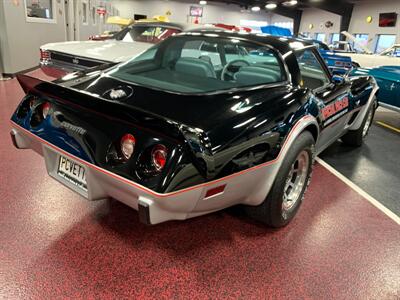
(336, 79)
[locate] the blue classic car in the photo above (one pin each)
(337, 64)
(388, 79)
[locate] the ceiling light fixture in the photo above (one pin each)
(255, 8)
(289, 3)
(203, 2)
(271, 6)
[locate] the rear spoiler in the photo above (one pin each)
(128, 114)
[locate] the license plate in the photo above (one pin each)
(72, 172)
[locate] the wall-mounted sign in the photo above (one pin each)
(101, 11)
(196, 11)
(387, 20)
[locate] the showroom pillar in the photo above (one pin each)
(345, 22)
(339, 7)
(293, 14)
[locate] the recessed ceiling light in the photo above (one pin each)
(271, 6)
(255, 8)
(203, 2)
(289, 3)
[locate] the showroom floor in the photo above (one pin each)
(53, 244)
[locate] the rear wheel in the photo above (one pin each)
(287, 192)
(356, 138)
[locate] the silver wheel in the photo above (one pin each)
(368, 122)
(295, 182)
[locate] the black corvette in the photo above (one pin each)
(202, 121)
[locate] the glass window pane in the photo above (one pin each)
(335, 37)
(312, 73)
(385, 41)
(39, 9)
(203, 64)
(362, 39)
(147, 34)
(320, 37)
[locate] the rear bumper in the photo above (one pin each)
(58, 69)
(53, 72)
(153, 207)
(247, 188)
(50, 67)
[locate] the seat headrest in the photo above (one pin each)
(195, 66)
(257, 75)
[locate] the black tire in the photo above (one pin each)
(355, 64)
(271, 211)
(355, 138)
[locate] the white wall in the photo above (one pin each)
(20, 40)
(358, 22)
(361, 11)
(318, 17)
(212, 13)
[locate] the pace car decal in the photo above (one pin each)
(335, 110)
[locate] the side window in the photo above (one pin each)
(312, 72)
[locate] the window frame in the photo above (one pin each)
(53, 20)
(322, 33)
(321, 62)
(93, 17)
(85, 2)
(353, 43)
(377, 42)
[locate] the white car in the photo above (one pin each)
(389, 57)
(57, 59)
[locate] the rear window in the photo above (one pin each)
(146, 34)
(201, 64)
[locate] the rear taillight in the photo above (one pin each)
(45, 109)
(128, 142)
(44, 55)
(339, 63)
(159, 156)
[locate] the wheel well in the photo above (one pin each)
(313, 130)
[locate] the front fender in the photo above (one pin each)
(361, 116)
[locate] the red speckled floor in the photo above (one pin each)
(54, 244)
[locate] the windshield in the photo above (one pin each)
(186, 64)
(146, 34)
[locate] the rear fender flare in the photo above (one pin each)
(265, 184)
